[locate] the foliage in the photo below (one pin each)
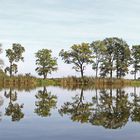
(98, 49)
(45, 62)
(135, 60)
(116, 57)
(79, 55)
(14, 55)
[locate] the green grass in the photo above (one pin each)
(135, 82)
(72, 82)
(46, 82)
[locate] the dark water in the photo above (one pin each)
(54, 113)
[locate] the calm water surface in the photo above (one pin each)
(54, 113)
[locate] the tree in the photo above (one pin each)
(107, 66)
(116, 57)
(135, 60)
(14, 55)
(79, 55)
(98, 51)
(46, 63)
(122, 57)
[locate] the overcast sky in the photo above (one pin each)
(58, 24)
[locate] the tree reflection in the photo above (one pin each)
(113, 111)
(135, 114)
(14, 109)
(77, 109)
(1, 103)
(109, 109)
(45, 102)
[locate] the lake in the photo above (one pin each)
(55, 113)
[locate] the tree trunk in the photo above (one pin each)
(135, 75)
(117, 73)
(10, 70)
(111, 73)
(45, 76)
(82, 73)
(97, 71)
(111, 67)
(96, 66)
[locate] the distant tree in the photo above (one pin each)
(116, 57)
(79, 55)
(98, 51)
(135, 60)
(122, 57)
(107, 66)
(14, 55)
(45, 62)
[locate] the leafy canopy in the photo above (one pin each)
(45, 62)
(79, 55)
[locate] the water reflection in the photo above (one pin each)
(135, 114)
(109, 108)
(1, 104)
(13, 109)
(112, 110)
(78, 109)
(45, 102)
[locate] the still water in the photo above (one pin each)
(54, 113)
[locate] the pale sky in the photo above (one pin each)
(58, 24)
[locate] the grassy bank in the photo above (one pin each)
(96, 82)
(17, 81)
(72, 82)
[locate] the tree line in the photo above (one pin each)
(108, 56)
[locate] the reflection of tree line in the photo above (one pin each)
(108, 108)
(45, 102)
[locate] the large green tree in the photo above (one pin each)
(98, 51)
(107, 66)
(135, 60)
(122, 57)
(14, 55)
(116, 57)
(45, 62)
(79, 55)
